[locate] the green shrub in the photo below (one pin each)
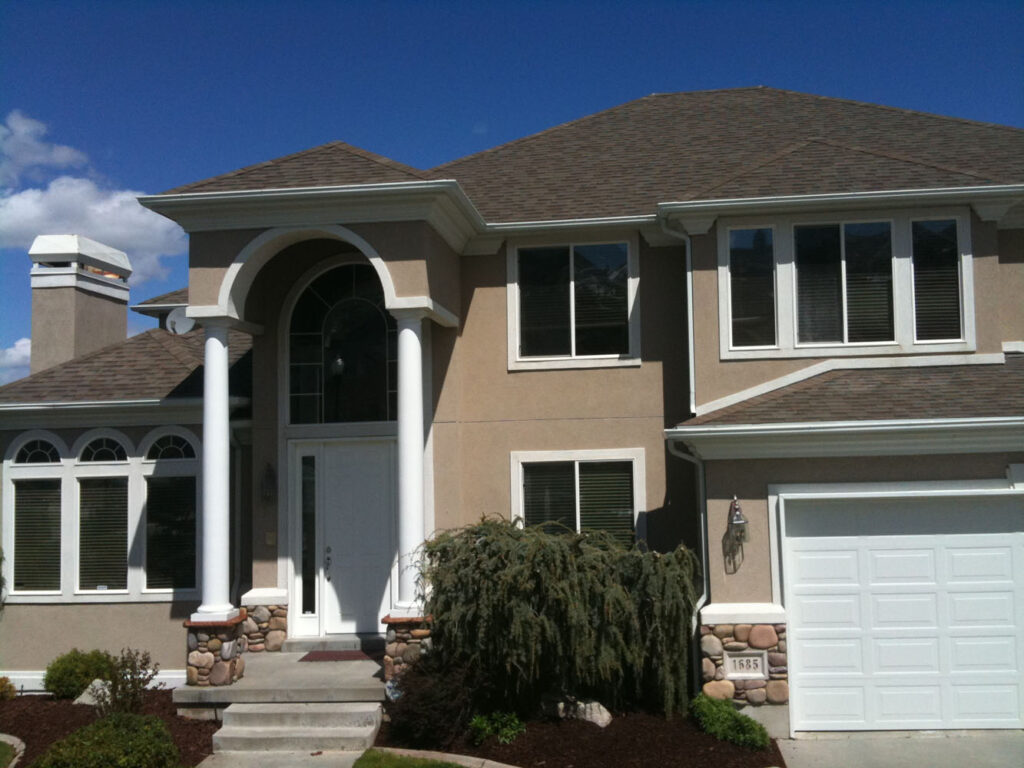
(7, 689)
(546, 611)
(435, 703)
(130, 676)
(504, 726)
(70, 673)
(124, 741)
(720, 718)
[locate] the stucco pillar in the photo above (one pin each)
(216, 509)
(410, 455)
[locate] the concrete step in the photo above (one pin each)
(303, 715)
(326, 759)
(365, 643)
(238, 738)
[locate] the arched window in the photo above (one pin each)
(343, 363)
(170, 447)
(104, 449)
(37, 452)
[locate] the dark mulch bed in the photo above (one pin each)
(631, 741)
(39, 721)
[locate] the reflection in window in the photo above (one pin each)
(936, 281)
(170, 447)
(752, 287)
(104, 449)
(343, 364)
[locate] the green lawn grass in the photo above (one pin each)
(6, 754)
(372, 758)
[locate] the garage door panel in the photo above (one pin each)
(906, 655)
(906, 631)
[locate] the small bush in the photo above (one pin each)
(7, 689)
(70, 673)
(130, 676)
(434, 704)
(504, 726)
(720, 718)
(124, 741)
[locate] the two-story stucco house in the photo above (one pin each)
(785, 329)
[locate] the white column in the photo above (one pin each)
(216, 520)
(410, 454)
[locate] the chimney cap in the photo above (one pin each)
(49, 248)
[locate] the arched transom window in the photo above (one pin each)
(343, 364)
(37, 452)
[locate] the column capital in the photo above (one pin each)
(409, 315)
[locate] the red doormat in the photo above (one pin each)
(335, 656)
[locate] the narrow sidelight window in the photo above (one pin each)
(752, 287)
(36, 535)
(819, 284)
(171, 532)
(308, 535)
(936, 281)
(868, 253)
(103, 533)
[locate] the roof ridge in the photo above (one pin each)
(245, 169)
(538, 134)
(901, 110)
(182, 355)
(744, 169)
(901, 158)
(387, 162)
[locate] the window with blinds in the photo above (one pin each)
(844, 283)
(581, 495)
(103, 533)
(36, 535)
(574, 300)
(170, 532)
(936, 281)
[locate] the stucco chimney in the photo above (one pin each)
(79, 298)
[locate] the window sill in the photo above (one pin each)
(100, 598)
(572, 363)
(849, 350)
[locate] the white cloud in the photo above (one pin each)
(14, 360)
(70, 205)
(22, 149)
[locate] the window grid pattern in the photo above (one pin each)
(170, 447)
(104, 449)
(38, 452)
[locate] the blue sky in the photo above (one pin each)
(102, 100)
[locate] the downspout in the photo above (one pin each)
(697, 463)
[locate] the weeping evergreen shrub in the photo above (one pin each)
(544, 611)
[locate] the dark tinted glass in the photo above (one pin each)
(549, 493)
(171, 532)
(819, 297)
(601, 280)
(752, 287)
(544, 302)
(869, 315)
(936, 280)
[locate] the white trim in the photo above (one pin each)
(72, 277)
(853, 438)
(634, 455)
(1013, 346)
(264, 596)
(632, 358)
(787, 344)
(840, 364)
(32, 679)
(742, 613)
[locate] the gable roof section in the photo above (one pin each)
(881, 394)
(178, 298)
(154, 365)
(333, 164)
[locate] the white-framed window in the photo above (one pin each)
(826, 285)
(573, 304)
(100, 521)
(583, 490)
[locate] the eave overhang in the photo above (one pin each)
(851, 438)
(155, 411)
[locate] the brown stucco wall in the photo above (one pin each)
(749, 481)
(209, 256)
(1011, 284)
(67, 323)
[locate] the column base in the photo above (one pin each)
(266, 627)
(215, 650)
(408, 639)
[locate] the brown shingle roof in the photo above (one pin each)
(151, 365)
(333, 164)
(933, 392)
(176, 298)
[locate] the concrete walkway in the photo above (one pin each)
(333, 759)
(905, 749)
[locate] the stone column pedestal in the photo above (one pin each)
(266, 627)
(408, 638)
(215, 651)
(719, 640)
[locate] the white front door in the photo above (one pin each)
(344, 527)
(905, 613)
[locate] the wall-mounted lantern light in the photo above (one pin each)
(737, 522)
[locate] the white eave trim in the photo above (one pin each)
(108, 412)
(852, 438)
(442, 203)
(991, 202)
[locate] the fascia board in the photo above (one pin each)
(107, 412)
(852, 438)
(994, 194)
(442, 203)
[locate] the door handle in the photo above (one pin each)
(327, 564)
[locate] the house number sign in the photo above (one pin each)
(745, 665)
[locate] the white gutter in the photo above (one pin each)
(85, 405)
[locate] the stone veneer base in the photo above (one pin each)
(215, 651)
(265, 628)
(715, 639)
(407, 640)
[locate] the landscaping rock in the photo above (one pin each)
(275, 639)
(710, 645)
(719, 689)
(777, 691)
(591, 711)
(741, 632)
(707, 667)
(762, 636)
(92, 691)
(201, 659)
(723, 630)
(757, 696)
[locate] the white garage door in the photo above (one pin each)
(905, 613)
